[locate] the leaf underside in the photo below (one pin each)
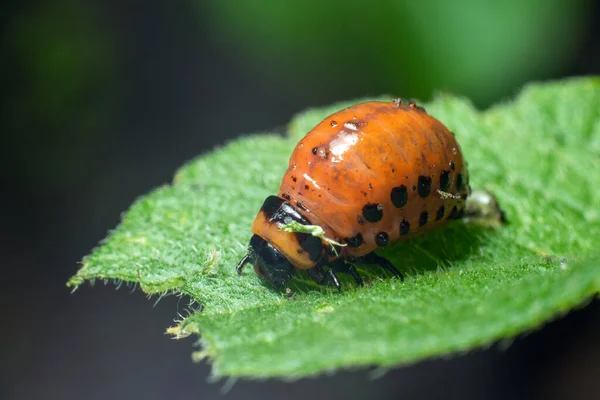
(466, 286)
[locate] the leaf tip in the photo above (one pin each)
(74, 283)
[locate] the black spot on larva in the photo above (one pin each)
(444, 181)
(452, 166)
(294, 178)
(333, 123)
(382, 239)
(286, 196)
(354, 241)
(300, 251)
(311, 244)
(399, 196)
(314, 150)
(306, 187)
(393, 170)
(423, 218)
(301, 206)
(440, 213)
(460, 213)
(424, 185)
(360, 220)
(404, 227)
(370, 185)
(414, 187)
(459, 182)
(372, 212)
(453, 213)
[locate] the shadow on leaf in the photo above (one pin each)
(440, 249)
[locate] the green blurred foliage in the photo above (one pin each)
(68, 65)
(481, 49)
(64, 71)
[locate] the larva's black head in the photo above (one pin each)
(268, 262)
(276, 252)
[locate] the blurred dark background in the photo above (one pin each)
(101, 101)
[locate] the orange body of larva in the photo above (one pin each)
(376, 173)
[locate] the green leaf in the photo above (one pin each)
(466, 285)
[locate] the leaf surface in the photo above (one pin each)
(466, 285)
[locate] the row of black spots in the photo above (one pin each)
(444, 181)
(423, 219)
(399, 197)
(382, 239)
(424, 183)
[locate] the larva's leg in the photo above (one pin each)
(373, 258)
(321, 277)
(347, 268)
